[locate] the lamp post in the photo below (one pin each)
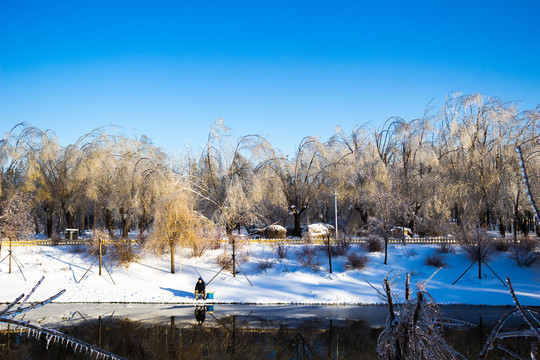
(335, 209)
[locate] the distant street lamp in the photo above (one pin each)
(335, 208)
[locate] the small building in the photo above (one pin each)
(72, 234)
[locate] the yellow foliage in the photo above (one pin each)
(177, 223)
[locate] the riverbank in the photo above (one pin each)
(149, 280)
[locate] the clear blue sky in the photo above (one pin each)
(281, 69)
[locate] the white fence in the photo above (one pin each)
(50, 242)
(420, 241)
(427, 240)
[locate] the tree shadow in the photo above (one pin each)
(179, 293)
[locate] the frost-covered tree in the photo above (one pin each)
(59, 176)
(232, 187)
(14, 149)
(475, 127)
(303, 178)
(353, 177)
(15, 216)
(125, 181)
(177, 222)
(458, 164)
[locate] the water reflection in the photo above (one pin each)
(235, 332)
(200, 314)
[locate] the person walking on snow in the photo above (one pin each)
(200, 289)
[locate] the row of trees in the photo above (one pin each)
(458, 165)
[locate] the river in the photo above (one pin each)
(165, 331)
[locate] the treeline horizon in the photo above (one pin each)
(457, 167)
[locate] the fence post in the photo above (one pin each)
(329, 253)
(99, 241)
(10, 255)
(233, 256)
(407, 287)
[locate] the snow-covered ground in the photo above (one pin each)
(149, 279)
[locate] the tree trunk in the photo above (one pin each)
(58, 220)
(515, 226)
(329, 254)
(107, 215)
(126, 226)
(233, 257)
(297, 230)
(171, 244)
(502, 229)
(10, 255)
(69, 219)
(525, 226)
(36, 222)
(480, 267)
(229, 230)
(49, 224)
(385, 249)
(141, 227)
(297, 226)
(142, 222)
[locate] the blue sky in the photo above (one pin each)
(281, 69)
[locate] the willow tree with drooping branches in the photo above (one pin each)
(124, 184)
(59, 176)
(232, 188)
(178, 223)
(307, 177)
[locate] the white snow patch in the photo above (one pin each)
(149, 280)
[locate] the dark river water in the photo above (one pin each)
(235, 331)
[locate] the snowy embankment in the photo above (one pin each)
(149, 280)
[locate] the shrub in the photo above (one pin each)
(501, 245)
(78, 249)
(428, 227)
(276, 232)
(123, 253)
(339, 248)
(224, 261)
(117, 251)
(356, 261)
(437, 260)
(198, 248)
(477, 243)
(445, 248)
(142, 239)
(243, 256)
(93, 248)
(264, 264)
(524, 252)
(307, 256)
(410, 252)
(374, 244)
(414, 272)
(282, 251)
